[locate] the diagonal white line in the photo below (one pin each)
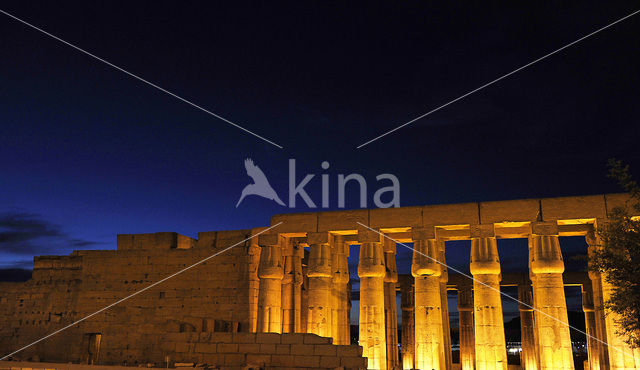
(140, 79)
(498, 290)
(498, 79)
(139, 291)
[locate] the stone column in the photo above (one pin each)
(491, 349)
(598, 306)
(551, 320)
(288, 310)
(528, 356)
(466, 328)
(270, 272)
(429, 339)
(620, 355)
(304, 296)
(408, 327)
(371, 270)
(593, 346)
(320, 286)
(340, 293)
(444, 303)
(390, 306)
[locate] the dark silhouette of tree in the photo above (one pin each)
(618, 258)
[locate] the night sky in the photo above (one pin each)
(87, 152)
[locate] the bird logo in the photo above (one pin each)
(260, 184)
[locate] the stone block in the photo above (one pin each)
(205, 348)
(292, 338)
(282, 360)
(341, 220)
(316, 339)
(299, 349)
(306, 361)
(227, 347)
(244, 337)
(573, 207)
(324, 350)
(318, 238)
(283, 349)
(234, 359)
(395, 217)
(509, 211)
(268, 239)
(268, 338)
(353, 362)
(348, 351)
(330, 362)
(249, 348)
(295, 223)
(267, 348)
(258, 359)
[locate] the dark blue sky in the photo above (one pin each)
(87, 152)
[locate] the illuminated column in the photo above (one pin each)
(320, 285)
(408, 327)
(390, 306)
(528, 357)
(371, 270)
(304, 296)
(621, 356)
(491, 349)
(444, 303)
(593, 347)
(270, 272)
(598, 306)
(288, 310)
(551, 320)
(429, 339)
(466, 329)
(340, 292)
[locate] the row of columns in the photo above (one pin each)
(321, 308)
(283, 305)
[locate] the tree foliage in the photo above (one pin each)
(618, 259)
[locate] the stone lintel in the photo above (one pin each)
(482, 231)
(318, 238)
(423, 233)
(544, 228)
(369, 236)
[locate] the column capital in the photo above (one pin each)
(425, 257)
(271, 266)
(465, 297)
(484, 256)
(545, 256)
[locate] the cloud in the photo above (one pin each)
(24, 234)
(19, 230)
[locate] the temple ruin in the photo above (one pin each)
(281, 299)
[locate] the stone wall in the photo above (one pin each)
(217, 295)
(234, 351)
(262, 350)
